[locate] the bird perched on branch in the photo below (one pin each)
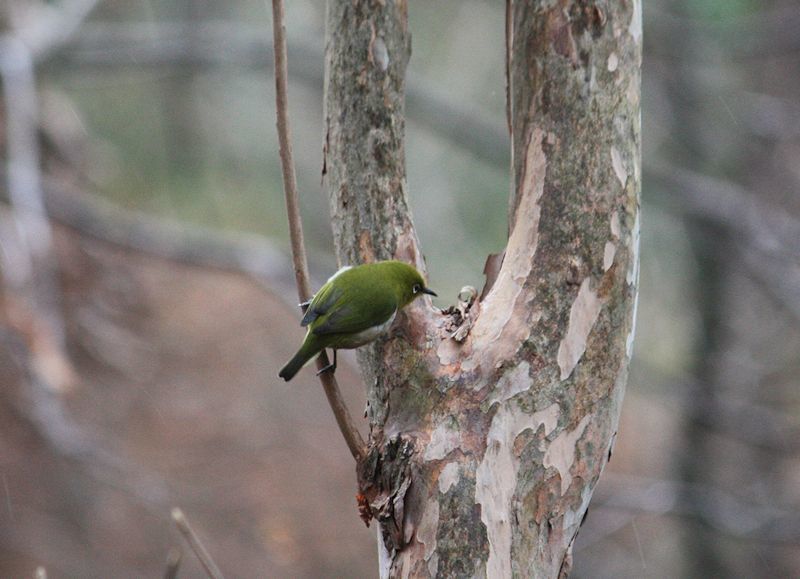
(355, 306)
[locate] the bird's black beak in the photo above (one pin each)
(430, 292)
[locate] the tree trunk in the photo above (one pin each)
(484, 453)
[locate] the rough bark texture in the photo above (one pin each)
(484, 453)
(367, 50)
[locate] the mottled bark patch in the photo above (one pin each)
(582, 316)
(618, 165)
(464, 546)
(496, 477)
(561, 453)
(444, 440)
(448, 476)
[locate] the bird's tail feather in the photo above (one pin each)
(303, 356)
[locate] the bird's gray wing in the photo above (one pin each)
(321, 303)
(351, 316)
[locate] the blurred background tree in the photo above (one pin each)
(143, 375)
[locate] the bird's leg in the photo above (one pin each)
(330, 367)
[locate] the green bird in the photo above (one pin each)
(355, 306)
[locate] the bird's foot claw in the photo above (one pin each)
(330, 367)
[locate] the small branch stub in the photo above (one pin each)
(174, 557)
(463, 315)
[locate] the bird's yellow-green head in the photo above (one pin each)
(407, 282)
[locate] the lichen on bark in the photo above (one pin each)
(505, 433)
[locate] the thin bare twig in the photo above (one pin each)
(174, 557)
(346, 425)
(194, 542)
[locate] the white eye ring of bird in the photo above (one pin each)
(416, 288)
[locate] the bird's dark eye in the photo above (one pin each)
(416, 288)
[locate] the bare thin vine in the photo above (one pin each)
(346, 425)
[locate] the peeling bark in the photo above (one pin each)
(484, 452)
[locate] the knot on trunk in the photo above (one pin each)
(384, 476)
(460, 318)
